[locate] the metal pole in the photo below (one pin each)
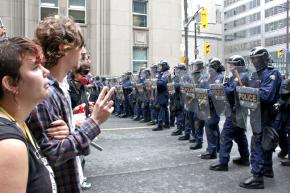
(195, 41)
(287, 41)
(186, 33)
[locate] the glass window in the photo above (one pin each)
(77, 10)
(49, 3)
(80, 4)
(139, 58)
(139, 13)
(48, 8)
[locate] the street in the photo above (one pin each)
(137, 160)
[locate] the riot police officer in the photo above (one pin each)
(267, 80)
(139, 96)
(176, 101)
(127, 89)
(162, 96)
(146, 98)
(282, 122)
(215, 76)
(236, 117)
(152, 92)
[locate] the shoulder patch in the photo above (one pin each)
(273, 77)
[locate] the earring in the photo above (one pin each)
(15, 92)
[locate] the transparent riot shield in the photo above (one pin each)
(202, 108)
(201, 104)
(148, 89)
(154, 87)
(134, 83)
(140, 89)
(235, 76)
(187, 89)
(249, 99)
(218, 98)
(171, 88)
(119, 91)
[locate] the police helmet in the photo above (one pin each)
(216, 64)
(154, 66)
(181, 67)
(198, 65)
(236, 60)
(128, 73)
(164, 65)
(260, 58)
(147, 72)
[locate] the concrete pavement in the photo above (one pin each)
(138, 160)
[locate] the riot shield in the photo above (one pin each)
(141, 93)
(201, 107)
(237, 75)
(218, 98)
(120, 92)
(249, 99)
(154, 87)
(148, 89)
(188, 91)
(171, 88)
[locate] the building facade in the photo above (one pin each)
(251, 23)
(212, 35)
(121, 35)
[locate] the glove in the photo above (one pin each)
(277, 107)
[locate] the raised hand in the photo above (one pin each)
(104, 106)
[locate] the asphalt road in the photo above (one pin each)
(137, 160)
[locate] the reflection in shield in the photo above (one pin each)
(202, 104)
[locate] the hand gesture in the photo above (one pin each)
(104, 106)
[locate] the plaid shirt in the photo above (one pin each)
(61, 154)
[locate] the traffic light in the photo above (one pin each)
(204, 18)
(206, 48)
(182, 60)
(280, 52)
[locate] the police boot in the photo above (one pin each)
(184, 137)
(241, 161)
(159, 128)
(285, 162)
(166, 126)
(268, 172)
(192, 140)
(207, 155)
(195, 146)
(172, 124)
(137, 118)
(282, 154)
(144, 121)
(123, 116)
(151, 123)
(253, 182)
(176, 132)
(219, 167)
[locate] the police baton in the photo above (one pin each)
(95, 145)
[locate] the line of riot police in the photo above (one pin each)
(196, 97)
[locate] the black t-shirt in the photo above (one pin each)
(39, 178)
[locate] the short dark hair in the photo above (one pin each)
(12, 53)
(52, 32)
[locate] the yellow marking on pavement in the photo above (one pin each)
(128, 128)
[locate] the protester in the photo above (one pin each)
(62, 42)
(23, 84)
